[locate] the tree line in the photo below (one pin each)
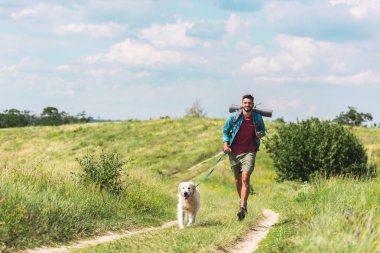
(50, 116)
(351, 117)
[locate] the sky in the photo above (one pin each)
(145, 59)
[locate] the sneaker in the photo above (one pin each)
(241, 213)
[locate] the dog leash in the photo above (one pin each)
(212, 170)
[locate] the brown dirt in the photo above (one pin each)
(251, 240)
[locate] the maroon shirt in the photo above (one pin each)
(244, 139)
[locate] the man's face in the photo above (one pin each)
(247, 104)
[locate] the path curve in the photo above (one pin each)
(251, 241)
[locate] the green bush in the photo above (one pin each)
(302, 149)
(103, 171)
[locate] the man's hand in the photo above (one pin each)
(226, 148)
(259, 134)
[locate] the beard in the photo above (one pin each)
(248, 109)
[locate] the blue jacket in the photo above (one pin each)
(229, 136)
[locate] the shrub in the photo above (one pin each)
(103, 171)
(195, 110)
(302, 149)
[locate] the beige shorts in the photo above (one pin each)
(242, 162)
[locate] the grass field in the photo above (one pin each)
(42, 203)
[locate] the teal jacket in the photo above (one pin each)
(230, 129)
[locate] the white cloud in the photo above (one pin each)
(362, 78)
(43, 11)
(99, 73)
(283, 79)
(100, 30)
(8, 70)
(296, 53)
(63, 68)
(284, 104)
(304, 60)
(262, 65)
(170, 35)
(24, 13)
(138, 55)
(360, 8)
(23, 65)
(236, 24)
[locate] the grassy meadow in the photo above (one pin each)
(41, 203)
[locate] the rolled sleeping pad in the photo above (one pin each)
(265, 113)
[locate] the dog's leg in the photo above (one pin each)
(180, 217)
(191, 219)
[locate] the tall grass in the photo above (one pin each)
(41, 203)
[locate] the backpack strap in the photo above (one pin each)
(236, 117)
(255, 119)
(235, 120)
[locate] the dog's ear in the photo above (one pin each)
(179, 187)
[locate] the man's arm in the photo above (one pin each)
(226, 147)
(262, 131)
(226, 133)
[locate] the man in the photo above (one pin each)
(241, 139)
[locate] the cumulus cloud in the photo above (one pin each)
(24, 13)
(316, 19)
(63, 68)
(236, 24)
(169, 35)
(44, 11)
(360, 8)
(99, 30)
(139, 54)
(7, 70)
(23, 65)
(364, 77)
(296, 53)
(284, 104)
(304, 60)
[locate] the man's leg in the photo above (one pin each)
(248, 165)
(245, 178)
(244, 193)
(238, 183)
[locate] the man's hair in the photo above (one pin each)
(249, 96)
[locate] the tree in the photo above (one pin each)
(195, 110)
(279, 120)
(50, 116)
(15, 118)
(81, 117)
(353, 117)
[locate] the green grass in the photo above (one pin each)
(335, 215)
(41, 203)
(215, 228)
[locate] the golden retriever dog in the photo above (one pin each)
(188, 203)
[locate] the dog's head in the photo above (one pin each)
(186, 189)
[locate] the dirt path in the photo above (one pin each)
(251, 241)
(98, 240)
(248, 244)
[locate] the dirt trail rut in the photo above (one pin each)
(251, 241)
(98, 240)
